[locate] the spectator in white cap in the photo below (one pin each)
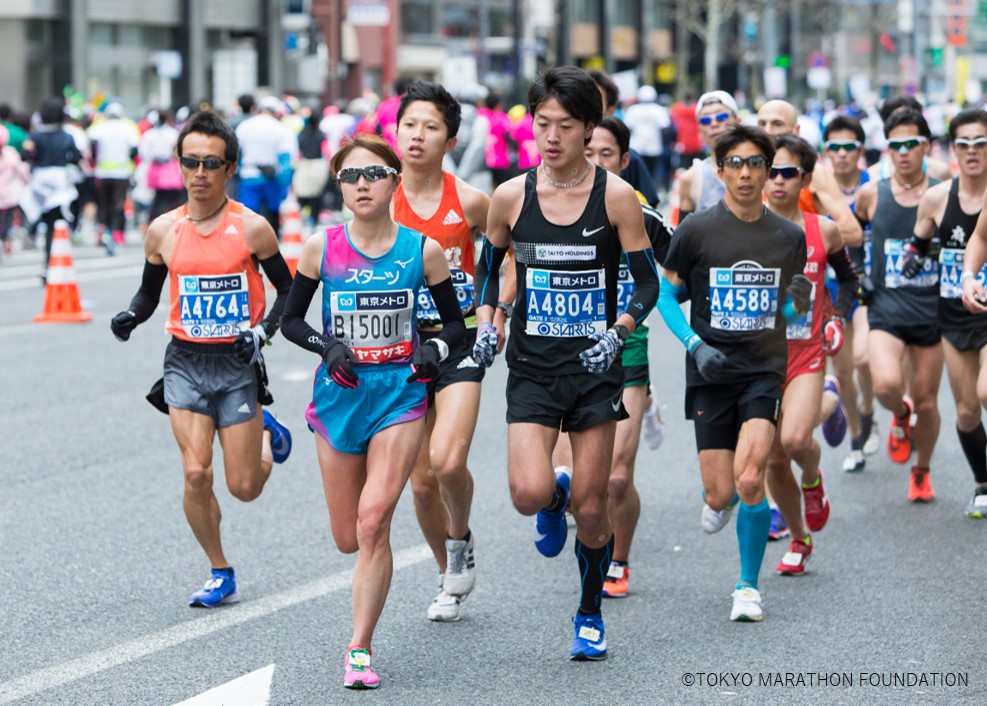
(646, 119)
(700, 187)
(114, 145)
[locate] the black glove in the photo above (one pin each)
(710, 362)
(425, 363)
(339, 361)
(123, 324)
(865, 291)
(913, 262)
(248, 344)
(800, 291)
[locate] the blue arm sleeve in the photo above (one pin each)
(668, 305)
(788, 311)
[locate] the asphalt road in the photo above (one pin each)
(97, 562)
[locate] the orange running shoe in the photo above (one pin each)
(900, 437)
(615, 585)
(920, 487)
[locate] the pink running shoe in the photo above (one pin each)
(359, 674)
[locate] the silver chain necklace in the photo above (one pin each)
(565, 184)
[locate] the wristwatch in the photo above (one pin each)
(507, 308)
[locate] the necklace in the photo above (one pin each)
(566, 184)
(199, 220)
(905, 186)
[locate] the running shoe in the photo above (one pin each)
(747, 606)
(816, 505)
(834, 426)
(920, 486)
(590, 642)
(713, 521)
(873, 441)
(280, 436)
(900, 437)
(460, 576)
(653, 424)
(444, 608)
(977, 509)
(793, 563)
(778, 528)
(359, 674)
(219, 589)
(615, 584)
(551, 530)
(854, 463)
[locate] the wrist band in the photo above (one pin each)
(967, 275)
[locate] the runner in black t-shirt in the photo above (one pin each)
(568, 221)
(743, 267)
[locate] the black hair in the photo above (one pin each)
(845, 122)
(739, 134)
(892, 105)
(5, 112)
(607, 85)
(800, 148)
(52, 111)
(574, 89)
(209, 123)
(401, 85)
(619, 131)
(492, 100)
(247, 103)
(971, 115)
(437, 95)
(907, 116)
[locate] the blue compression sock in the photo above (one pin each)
(753, 523)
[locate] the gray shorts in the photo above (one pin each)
(206, 378)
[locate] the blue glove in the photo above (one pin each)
(485, 347)
(600, 357)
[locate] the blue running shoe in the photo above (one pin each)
(778, 528)
(590, 643)
(834, 427)
(220, 589)
(280, 436)
(551, 529)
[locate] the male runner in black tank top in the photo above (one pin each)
(568, 222)
(951, 210)
(903, 313)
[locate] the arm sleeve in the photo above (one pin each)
(856, 256)
(293, 324)
(643, 269)
(668, 306)
(277, 271)
(846, 279)
(921, 245)
(146, 300)
(660, 232)
(487, 279)
(453, 326)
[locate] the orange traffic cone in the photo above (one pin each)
(62, 304)
(673, 198)
(291, 234)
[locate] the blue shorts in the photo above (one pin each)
(348, 418)
(259, 195)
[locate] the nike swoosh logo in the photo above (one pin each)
(615, 405)
(588, 233)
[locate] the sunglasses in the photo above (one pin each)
(210, 163)
(755, 161)
(785, 172)
(962, 143)
(371, 172)
(833, 146)
(719, 117)
(906, 145)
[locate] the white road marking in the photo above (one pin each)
(296, 376)
(252, 689)
(211, 622)
(132, 271)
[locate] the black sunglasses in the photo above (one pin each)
(755, 161)
(370, 172)
(785, 172)
(834, 146)
(210, 163)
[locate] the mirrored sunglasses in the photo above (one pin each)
(719, 117)
(906, 145)
(961, 143)
(370, 172)
(210, 163)
(785, 172)
(755, 161)
(834, 146)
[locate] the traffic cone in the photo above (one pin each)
(291, 234)
(62, 305)
(673, 198)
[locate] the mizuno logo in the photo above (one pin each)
(404, 263)
(588, 233)
(452, 218)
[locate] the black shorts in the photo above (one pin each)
(923, 335)
(636, 375)
(966, 339)
(720, 410)
(459, 366)
(571, 402)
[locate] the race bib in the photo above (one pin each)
(462, 282)
(376, 326)
(743, 298)
(950, 271)
(625, 288)
(565, 304)
(894, 258)
(213, 306)
(801, 328)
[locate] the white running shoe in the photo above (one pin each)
(715, 520)
(653, 424)
(746, 605)
(460, 575)
(873, 442)
(855, 462)
(444, 608)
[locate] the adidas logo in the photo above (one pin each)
(452, 218)
(244, 408)
(231, 230)
(467, 362)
